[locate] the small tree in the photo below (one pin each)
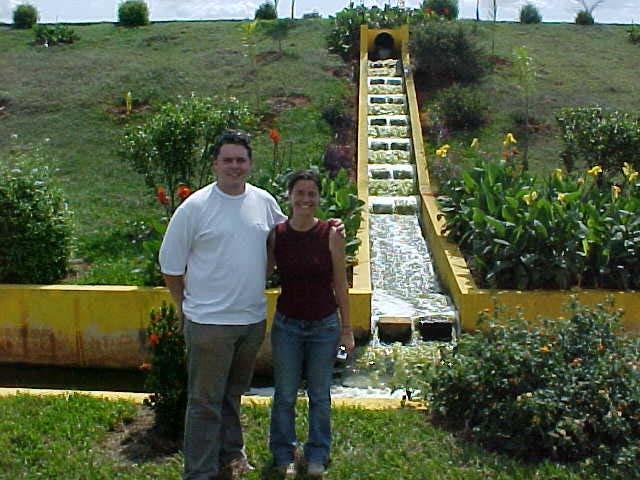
(529, 14)
(267, 11)
(585, 16)
(25, 15)
(277, 30)
(494, 17)
(133, 13)
(525, 73)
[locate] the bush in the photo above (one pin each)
(266, 11)
(633, 34)
(529, 14)
(35, 228)
(25, 16)
(568, 391)
(584, 17)
(597, 137)
(462, 107)
(444, 53)
(133, 13)
(519, 232)
(167, 371)
(54, 35)
(443, 8)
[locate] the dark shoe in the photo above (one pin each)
(236, 469)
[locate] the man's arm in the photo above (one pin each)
(175, 284)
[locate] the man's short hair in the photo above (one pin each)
(232, 137)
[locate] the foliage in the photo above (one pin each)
(462, 107)
(444, 53)
(337, 157)
(35, 227)
(25, 15)
(568, 390)
(529, 14)
(133, 13)
(266, 11)
(46, 35)
(444, 8)
(597, 137)
(633, 34)
(525, 72)
(278, 30)
(557, 232)
(584, 17)
(167, 370)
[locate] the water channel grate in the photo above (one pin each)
(404, 282)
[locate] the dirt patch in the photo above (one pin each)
(280, 104)
(341, 71)
(139, 441)
(268, 56)
(121, 110)
(500, 61)
(268, 120)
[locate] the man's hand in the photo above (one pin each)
(338, 225)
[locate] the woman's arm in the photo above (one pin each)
(336, 247)
(271, 251)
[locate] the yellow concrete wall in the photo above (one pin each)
(454, 272)
(99, 326)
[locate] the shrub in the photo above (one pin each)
(529, 14)
(133, 13)
(633, 34)
(443, 8)
(167, 370)
(35, 228)
(54, 35)
(25, 16)
(568, 390)
(597, 137)
(278, 30)
(444, 53)
(563, 230)
(266, 11)
(462, 107)
(583, 17)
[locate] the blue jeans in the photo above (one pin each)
(309, 347)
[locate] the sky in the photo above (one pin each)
(610, 11)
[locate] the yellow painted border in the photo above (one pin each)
(454, 272)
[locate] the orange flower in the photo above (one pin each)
(274, 135)
(183, 192)
(161, 195)
(154, 339)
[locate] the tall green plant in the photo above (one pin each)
(524, 70)
(25, 16)
(133, 13)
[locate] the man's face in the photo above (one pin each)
(232, 166)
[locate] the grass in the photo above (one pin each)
(58, 101)
(577, 66)
(65, 437)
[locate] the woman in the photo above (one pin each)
(310, 257)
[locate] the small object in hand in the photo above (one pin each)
(342, 353)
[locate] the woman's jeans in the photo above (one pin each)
(302, 347)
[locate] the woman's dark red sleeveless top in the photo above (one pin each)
(306, 272)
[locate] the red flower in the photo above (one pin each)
(274, 136)
(183, 192)
(161, 195)
(154, 339)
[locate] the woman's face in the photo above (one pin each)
(304, 197)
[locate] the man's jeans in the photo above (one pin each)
(309, 347)
(220, 361)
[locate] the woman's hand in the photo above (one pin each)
(346, 339)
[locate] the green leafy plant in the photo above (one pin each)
(444, 8)
(25, 16)
(277, 30)
(584, 18)
(525, 72)
(462, 107)
(633, 34)
(133, 13)
(266, 11)
(46, 35)
(568, 390)
(35, 227)
(597, 137)
(166, 373)
(529, 14)
(444, 53)
(556, 232)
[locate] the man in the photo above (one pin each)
(213, 258)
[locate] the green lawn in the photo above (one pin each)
(66, 437)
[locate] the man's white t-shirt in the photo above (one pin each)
(219, 242)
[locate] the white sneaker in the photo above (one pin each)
(288, 471)
(315, 470)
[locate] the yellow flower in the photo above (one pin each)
(535, 420)
(595, 171)
(562, 196)
(629, 172)
(509, 139)
(545, 349)
(557, 173)
(529, 198)
(615, 191)
(633, 176)
(475, 143)
(580, 181)
(443, 150)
